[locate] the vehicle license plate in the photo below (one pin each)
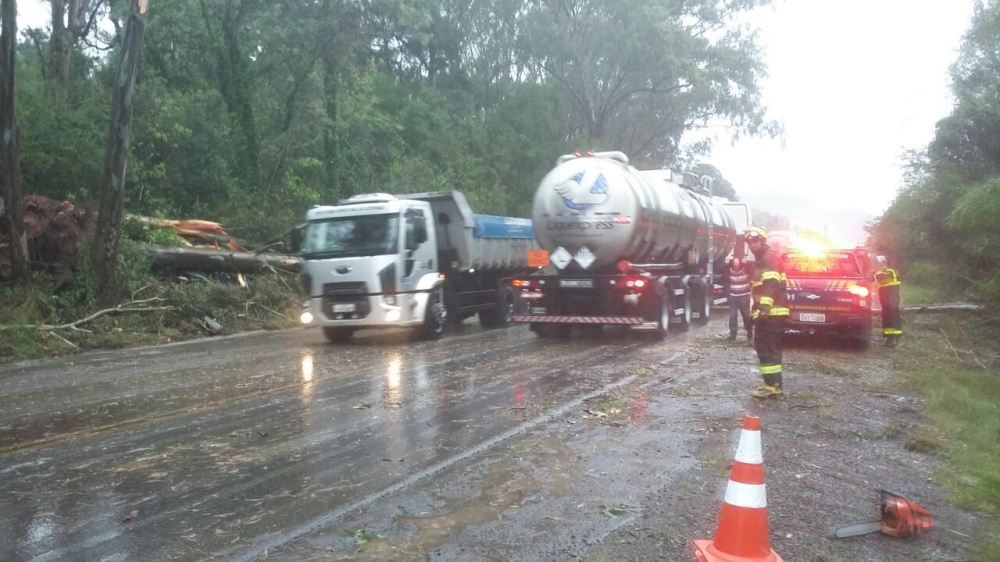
(345, 307)
(576, 282)
(807, 317)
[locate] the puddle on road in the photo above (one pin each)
(529, 472)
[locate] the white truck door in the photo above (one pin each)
(419, 256)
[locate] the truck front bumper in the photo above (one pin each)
(373, 312)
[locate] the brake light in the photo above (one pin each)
(860, 291)
(624, 266)
(637, 283)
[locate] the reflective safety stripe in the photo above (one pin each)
(779, 311)
(770, 369)
(770, 275)
(749, 450)
(889, 284)
(746, 495)
(766, 301)
(891, 332)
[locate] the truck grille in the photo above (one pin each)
(345, 301)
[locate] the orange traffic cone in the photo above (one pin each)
(743, 534)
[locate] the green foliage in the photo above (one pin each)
(948, 212)
(248, 113)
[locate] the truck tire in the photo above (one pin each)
(338, 335)
(666, 310)
(684, 303)
(500, 316)
(435, 318)
(701, 302)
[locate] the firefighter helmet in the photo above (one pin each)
(755, 233)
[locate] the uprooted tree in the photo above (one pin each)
(104, 254)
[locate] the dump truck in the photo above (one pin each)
(420, 261)
(627, 247)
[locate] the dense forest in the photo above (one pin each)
(251, 110)
(944, 225)
(247, 112)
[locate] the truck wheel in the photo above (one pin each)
(684, 303)
(701, 302)
(502, 315)
(338, 335)
(435, 318)
(666, 311)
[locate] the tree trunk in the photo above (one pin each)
(216, 261)
(104, 254)
(59, 47)
(235, 88)
(331, 137)
(11, 150)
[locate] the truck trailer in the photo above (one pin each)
(628, 247)
(420, 261)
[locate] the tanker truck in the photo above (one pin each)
(417, 262)
(627, 247)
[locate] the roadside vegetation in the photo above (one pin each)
(154, 308)
(954, 361)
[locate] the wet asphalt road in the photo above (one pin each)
(227, 448)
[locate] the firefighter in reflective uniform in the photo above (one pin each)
(770, 311)
(888, 295)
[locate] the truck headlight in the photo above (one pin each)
(392, 316)
(389, 299)
(306, 318)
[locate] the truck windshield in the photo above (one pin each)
(828, 265)
(365, 235)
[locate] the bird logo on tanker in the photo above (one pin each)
(584, 190)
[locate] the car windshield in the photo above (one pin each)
(827, 265)
(366, 235)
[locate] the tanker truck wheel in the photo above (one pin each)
(684, 303)
(663, 323)
(701, 302)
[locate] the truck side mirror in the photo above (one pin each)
(296, 240)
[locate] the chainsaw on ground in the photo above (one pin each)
(899, 518)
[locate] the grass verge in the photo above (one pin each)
(953, 362)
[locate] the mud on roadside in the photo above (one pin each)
(847, 429)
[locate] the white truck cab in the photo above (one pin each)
(408, 261)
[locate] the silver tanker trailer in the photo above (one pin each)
(628, 247)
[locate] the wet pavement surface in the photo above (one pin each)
(485, 446)
(230, 448)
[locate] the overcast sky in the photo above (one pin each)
(855, 82)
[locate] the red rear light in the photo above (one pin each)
(624, 266)
(860, 291)
(637, 283)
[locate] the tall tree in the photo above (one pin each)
(104, 256)
(11, 156)
(71, 21)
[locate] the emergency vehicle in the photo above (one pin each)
(830, 292)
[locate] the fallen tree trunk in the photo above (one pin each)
(217, 261)
(953, 307)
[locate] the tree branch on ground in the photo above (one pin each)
(130, 306)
